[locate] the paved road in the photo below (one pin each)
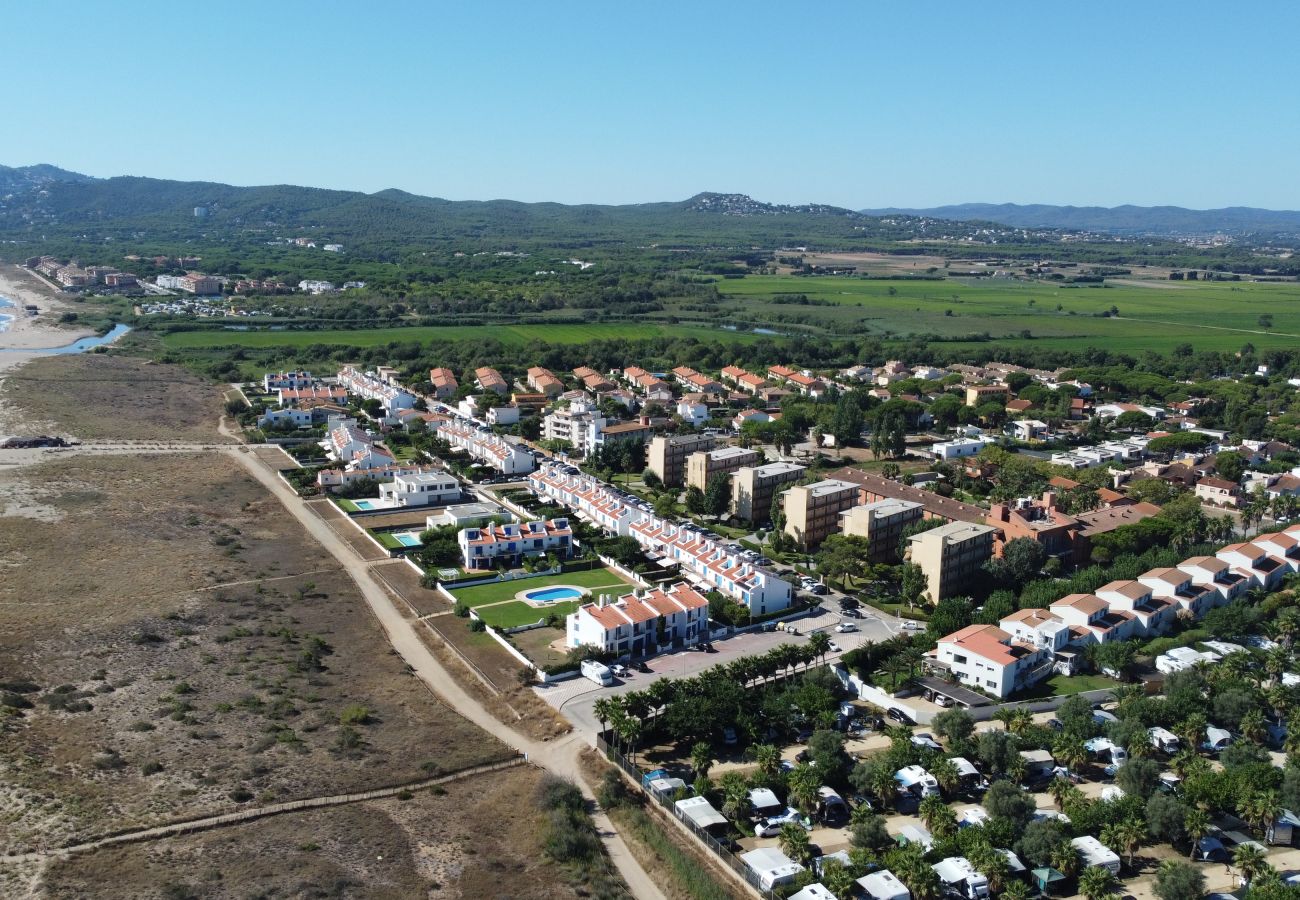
(576, 697)
(560, 756)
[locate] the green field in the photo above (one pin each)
(514, 335)
(516, 612)
(1155, 315)
(498, 591)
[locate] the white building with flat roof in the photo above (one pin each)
(421, 489)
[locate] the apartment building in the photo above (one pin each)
(743, 380)
(274, 381)
(703, 466)
(444, 383)
(369, 386)
(489, 379)
(1059, 534)
(508, 543)
(935, 506)
(979, 394)
(812, 511)
(332, 478)
(578, 424)
(667, 455)
(323, 392)
(950, 555)
(587, 497)
(489, 449)
(753, 487)
(991, 659)
(593, 380)
(694, 382)
(641, 623)
(651, 386)
(881, 523)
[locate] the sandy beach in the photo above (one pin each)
(24, 332)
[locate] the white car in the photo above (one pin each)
(910, 625)
(833, 647)
(846, 626)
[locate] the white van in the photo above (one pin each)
(598, 672)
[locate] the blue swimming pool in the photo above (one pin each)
(408, 540)
(366, 505)
(550, 595)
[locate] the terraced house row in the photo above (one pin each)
(1031, 644)
(487, 448)
(705, 562)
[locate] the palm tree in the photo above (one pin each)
(820, 643)
(895, 667)
(1191, 731)
(1017, 768)
(1133, 833)
(804, 782)
(1280, 699)
(794, 843)
(1015, 890)
(735, 796)
(1061, 788)
(1261, 811)
(1096, 883)
(603, 709)
(1197, 825)
(768, 758)
(938, 816)
(1065, 859)
(1253, 727)
(912, 869)
(991, 864)
(1112, 836)
(884, 786)
(1126, 693)
(945, 772)
(837, 879)
(701, 759)
(1071, 753)
(1249, 860)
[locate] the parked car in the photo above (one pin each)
(729, 736)
(819, 590)
(899, 716)
(833, 647)
(910, 625)
(619, 670)
(846, 626)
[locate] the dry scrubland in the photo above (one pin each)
(100, 396)
(423, 847)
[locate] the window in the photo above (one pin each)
(959, 659)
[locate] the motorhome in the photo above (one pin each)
(960, 877)
(598, 672)
(1163, 740)
(971, 778)
(916, 780)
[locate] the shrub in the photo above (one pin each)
(356, 714)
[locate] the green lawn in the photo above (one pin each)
(516, 612)
(1065, 685)
(505, 590)
(514, 335)
(345, 504)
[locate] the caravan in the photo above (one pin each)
(1095, 853)
(1163, 740)
(959, 876)
(917, 781)
(1107, 751)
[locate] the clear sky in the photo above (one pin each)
(860, 104)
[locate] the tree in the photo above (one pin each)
(1071, 753)
(826, 753)
(910, 867)
(1196, 825)
(736, 804)
(912, 583)
(1261, 810)
(1230, 464)
(696, 505)
(1249, 860)
(955, 726)
(1115, 657)
(1065, 859)
(837, 879)
(1096, 883)
(1009, 801)
(1022, 559)
(995, 750)
(1015, 890)
(1139, 777)
(701, 759)
(1038, 839)
(1166, 818)
(717, 495)
(1134, 420)
(803, 782)
(794, 843)
(1131, 834)
(869, 831)
(843, 556)
(945, 773)
(1179, 880)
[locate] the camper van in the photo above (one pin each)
(916, 780)
(1107, 751)
(597, 671)
(1163, 740)
(960, 877)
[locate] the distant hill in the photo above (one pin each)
(1161, 221)
(51, 203)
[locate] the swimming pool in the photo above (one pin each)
(366, 505)
(550, 595)
(407, 539)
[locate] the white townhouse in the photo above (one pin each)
(372, 457)
(508, 543)
(641, 623)
(421, 489)
(585, 496)
(1283, 546)
(346, 440)
(1153, 614)
(1177, 585)
(274, 381)
(369, 386)
(291, 416)
(328, 478)
(1092, 619)
(1213, 573)
(1254, 562)
(489, 449)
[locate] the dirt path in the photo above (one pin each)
(560, 757)
(248, 815)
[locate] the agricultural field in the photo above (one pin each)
(510, 335)
(1154, 315)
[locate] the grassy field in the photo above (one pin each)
(514, 335)
(515, 612)
(1154, 315)
(496, 592)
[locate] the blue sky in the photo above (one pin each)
(860, 104)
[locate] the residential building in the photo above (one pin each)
(757, 416)
(693, 381)
(1040, 521)
(1218, 491)
(444, 383)
(1215, 574)
(489, 449)
(506, 544)
(544, 381)
(743, 380)
(986, 657)
(370, 386)
(882, 524)
(703, 466)
(1176, 585)
(624, 432)
(753, 487)
(641, 623)
(1092, 620)
(333, 478)
(315, 286)
(322, 392)
(979, 394)
(1028, 430)
(1154, 614)
(957, 448)
(592, 380)
(667, 455)
(1283, 546)
(812, 511)
(346, 440)
(935, 506)
(579, 424)
(421, 489)
(489, 379)
(950, 555)
(651, 386)
(1254, 562)
(274, 381)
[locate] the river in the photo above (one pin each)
(80, 346)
